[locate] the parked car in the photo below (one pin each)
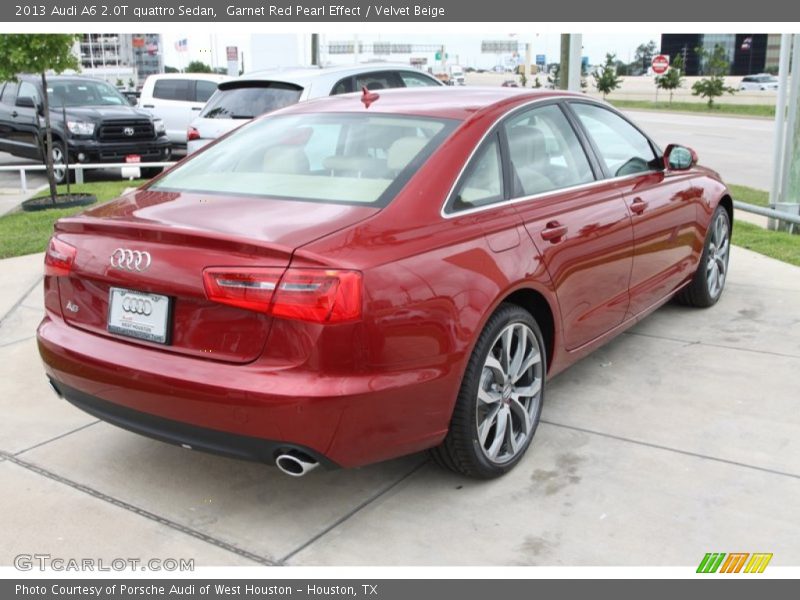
(177, 99)
(239, 100)
(101, 125)
(761, 82)
(509, 83)
(358, 278)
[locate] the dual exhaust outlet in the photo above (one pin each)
(295, 463)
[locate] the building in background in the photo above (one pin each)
(747, 53)
(125, 57)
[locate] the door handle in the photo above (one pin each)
(148, 105)
(638, 206)
(197, 108)
(553, 231)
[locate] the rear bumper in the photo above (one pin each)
(343, 420)
(175, 432)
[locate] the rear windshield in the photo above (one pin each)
(251, 99)
(330, 157)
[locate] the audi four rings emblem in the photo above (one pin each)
(140, 306)
(130, 260)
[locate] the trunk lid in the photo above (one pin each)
(183, 234)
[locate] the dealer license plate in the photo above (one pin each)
(138, 315)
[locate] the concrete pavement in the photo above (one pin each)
(678, 438)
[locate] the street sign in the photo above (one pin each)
(232, 53)
(660, 64)
(541, 59)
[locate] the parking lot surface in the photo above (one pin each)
(678, 438)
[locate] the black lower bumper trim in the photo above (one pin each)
(183, 434)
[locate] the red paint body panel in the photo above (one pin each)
(384, 385)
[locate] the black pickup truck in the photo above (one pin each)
(100, 126)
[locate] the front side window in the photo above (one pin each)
(352, 158)
(378, 81)
(250, 99)
(411, 79)
(545, 152)
(28, 90)
(623, 149)
(483, 182)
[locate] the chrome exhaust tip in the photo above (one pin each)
(295, 464)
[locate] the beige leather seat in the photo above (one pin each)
(403, 150)
(291, 160)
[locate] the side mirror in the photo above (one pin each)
(679, 158)
(26, 102)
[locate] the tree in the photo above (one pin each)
(168, 69)
(119, 83)
(197, 66)
(643, 57)
(673, 78)
(605, 77)
(716, 66)
(38, 53)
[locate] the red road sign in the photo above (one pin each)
(660, 64)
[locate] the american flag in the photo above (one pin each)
(182, 45)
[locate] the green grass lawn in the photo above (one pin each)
(742, 193)
(752, 110)
(776, 244)
(28, 232)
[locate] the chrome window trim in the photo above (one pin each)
(571, 188)
(451, 215)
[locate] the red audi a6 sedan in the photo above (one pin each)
(365, 276)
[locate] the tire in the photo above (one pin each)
(708, 282)
(150, 172)
(493, 423)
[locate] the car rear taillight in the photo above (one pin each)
(192, 134)
(59, 258)
(317, 295)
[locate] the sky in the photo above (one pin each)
(464, 49)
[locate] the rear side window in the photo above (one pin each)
(545, 152)
(173, 89)
(623, 149)
(246, 101)
(204, 90)
(359, 158)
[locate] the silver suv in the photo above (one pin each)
(239, 100)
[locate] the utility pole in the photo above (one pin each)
(315, 49)
(563, 74)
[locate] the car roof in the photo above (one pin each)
(304, 75)
(204, 76)
(441, 102)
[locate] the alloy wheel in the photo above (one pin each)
(509, 393)
(717, 263)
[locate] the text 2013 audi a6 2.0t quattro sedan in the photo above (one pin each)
(365, 276)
